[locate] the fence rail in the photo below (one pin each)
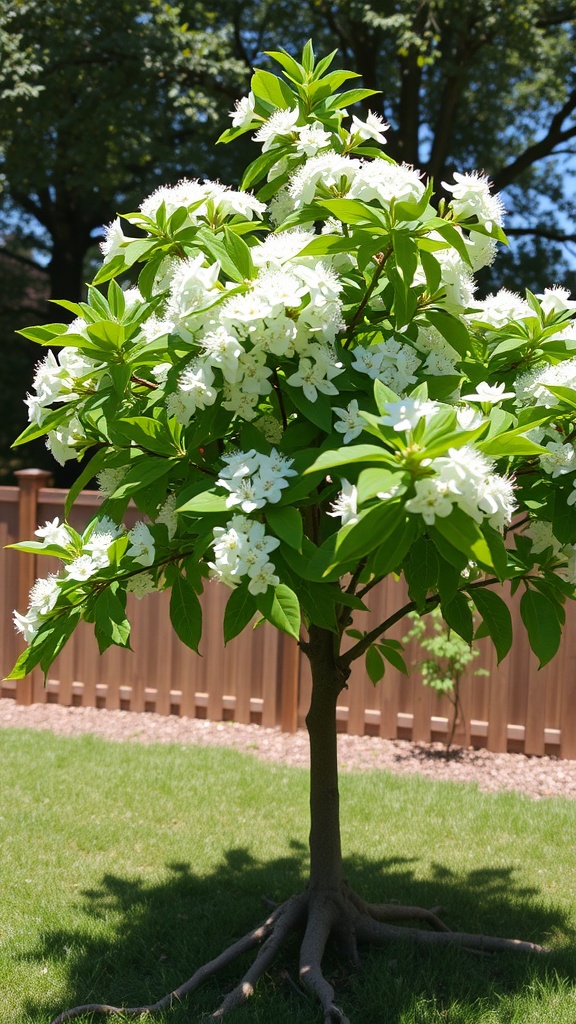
(261, 676)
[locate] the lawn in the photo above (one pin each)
(125, 866)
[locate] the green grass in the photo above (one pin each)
(124, 866)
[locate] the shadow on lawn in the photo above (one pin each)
(163, 930)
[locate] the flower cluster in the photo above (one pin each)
(84, 557)
(467, 479)
(254, 479)
(242, 549)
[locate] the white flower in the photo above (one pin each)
(43, 596)
(167, 515)
(141, 584)
(468, 417)
(222, 348)
(114, 240)
(242, 549)
(328, 168)
(346, 504)
(367, 360)
(243, 114)
(280, 124)
(489, 394)
(561, 459)
(54, 532)
(314, 374)
(62, 441)
(109, 480)
(263, 578)
(431, 500)
(82, 568)
(372, 128)
(540, 532)
(471, 197)
(498, 309)
(531, 387)
(27, 625)
(496, 498)
(311, 138)
(439, 365)
(142, 548)
(406, 414)
(556, 300)
(383, 182)
(254, 479)
(351, 423)
(481, 249)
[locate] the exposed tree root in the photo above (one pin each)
(324, 914)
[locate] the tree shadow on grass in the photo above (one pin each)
(138, 939)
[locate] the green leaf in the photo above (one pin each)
(393, 551)
(349, 455)
(186, 613)
(287, 62)
(458, 615)
(144, 472)
(48, 334)
(352, 542)
(272, 90)
(566, 395)
(147, 433)
(432, 271)
(378, 481)
(318, 412)
(205, 501)
(496, 618)
(110, 623)
(352, 211)
(543, 626)
(451, 328)
(286, 522)
(498, 550)
(509, 443)
(240, 253)
(421, 571)
(281, 607)
(96, 463)
(406, 254)
(240, 609)
(391, 653)
(348, 99)
(462, 533)
(374, 665)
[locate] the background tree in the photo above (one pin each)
(101, 102)
(112, 98)
(302, 395)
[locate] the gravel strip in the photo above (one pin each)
(536, 777)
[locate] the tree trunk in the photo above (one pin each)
(66, 268)
(327, 682)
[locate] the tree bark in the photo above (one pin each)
(328, 679)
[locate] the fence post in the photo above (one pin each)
(30, 482)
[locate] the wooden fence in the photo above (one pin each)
(261, 677)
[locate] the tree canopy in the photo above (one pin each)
(302, 392)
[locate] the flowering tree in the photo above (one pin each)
(302, 395)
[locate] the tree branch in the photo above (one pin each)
(362, 646)
(550, 235)
(545, 147)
